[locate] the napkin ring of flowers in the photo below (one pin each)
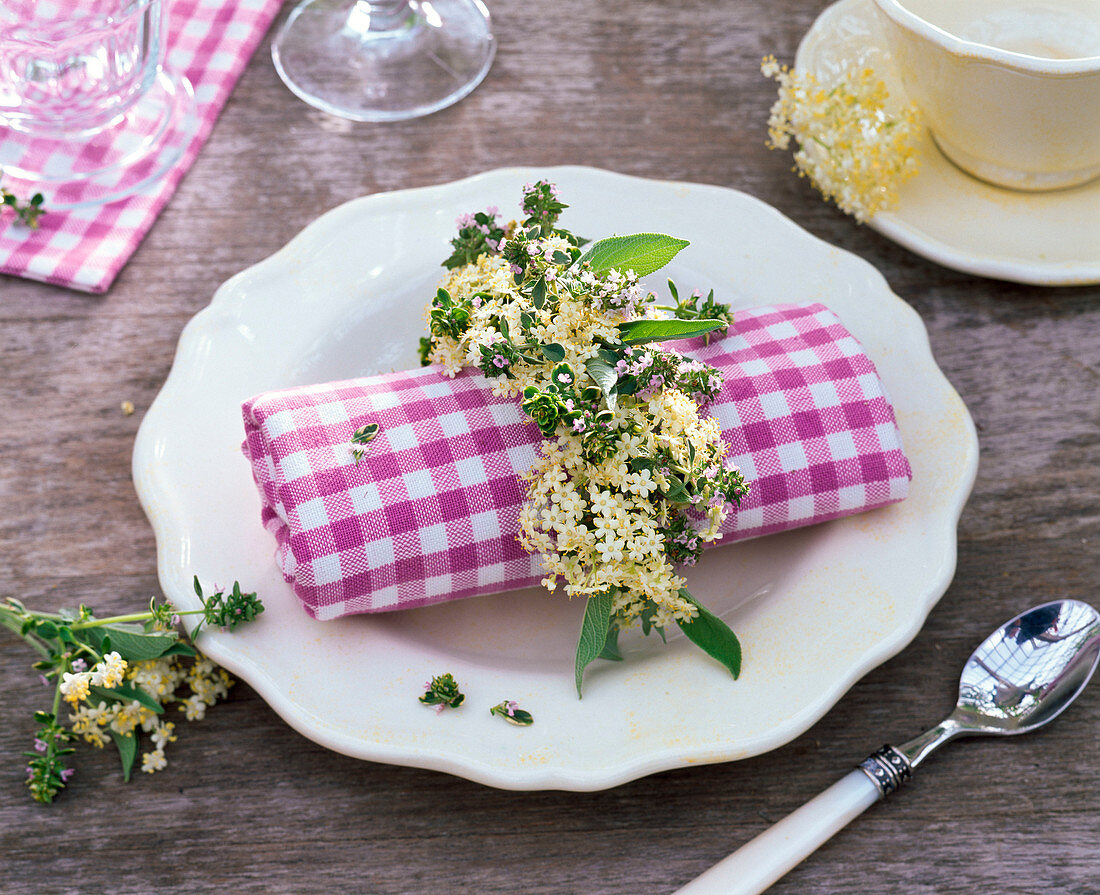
(632, 480)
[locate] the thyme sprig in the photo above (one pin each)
(116, 673)
(512, 713)
(442, 692)
(27, 212)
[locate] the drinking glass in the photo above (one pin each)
(384, 60)
(88, 112)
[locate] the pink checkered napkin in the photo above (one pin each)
(430, 513)
(209, 41)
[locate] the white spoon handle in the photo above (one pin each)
(759, 863)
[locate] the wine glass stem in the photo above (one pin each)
(374, 18)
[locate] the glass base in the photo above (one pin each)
(105, 164)
(384, 61)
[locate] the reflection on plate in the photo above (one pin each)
(815, 609)
(947, 216)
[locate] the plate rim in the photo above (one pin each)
(221, 649)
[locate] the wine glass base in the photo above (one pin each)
(369, 62)
(113, 162)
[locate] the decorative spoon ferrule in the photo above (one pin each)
(888, 768)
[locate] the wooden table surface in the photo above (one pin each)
(248, 805)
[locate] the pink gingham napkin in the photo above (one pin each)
(430, 513)
(208, 41)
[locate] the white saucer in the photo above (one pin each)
(1046, 239)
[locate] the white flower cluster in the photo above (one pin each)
(855, 145)
(108, 673)
(160, 679)
(602, 524)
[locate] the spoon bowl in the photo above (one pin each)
(1026, 673)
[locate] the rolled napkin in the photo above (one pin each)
(430, 510)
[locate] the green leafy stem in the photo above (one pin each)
(70, 641)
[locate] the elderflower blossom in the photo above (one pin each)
(110, 672)
(597, 505)
(854, 145)
(162, 679)
(75, 686)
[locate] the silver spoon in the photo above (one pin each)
(1024, 675)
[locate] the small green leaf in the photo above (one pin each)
(610, 649)
(638, 332)
(520, 717)
(597, 621)
(712, 635)
(676, 492)
(538, 292)
(512, 713)
(198, 587)
(605, 376)
(126, 693)
(127, 751)
(643, 252)
(46, 630)
(553, 352)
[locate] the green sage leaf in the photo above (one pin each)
(538, 292)
(134, 646)
(638, 332)
(610, 649)
(179, 648)
(712, 635)
(594, 628)
(605, 376)
(126, 693)
(553, 352)
(642, 252)
(127, 751)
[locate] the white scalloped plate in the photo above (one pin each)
(815, 609)
(944, 214)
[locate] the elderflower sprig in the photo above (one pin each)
(632, 479)
(117, 674)
(854, 144)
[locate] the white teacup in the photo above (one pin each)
(1009, 88)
